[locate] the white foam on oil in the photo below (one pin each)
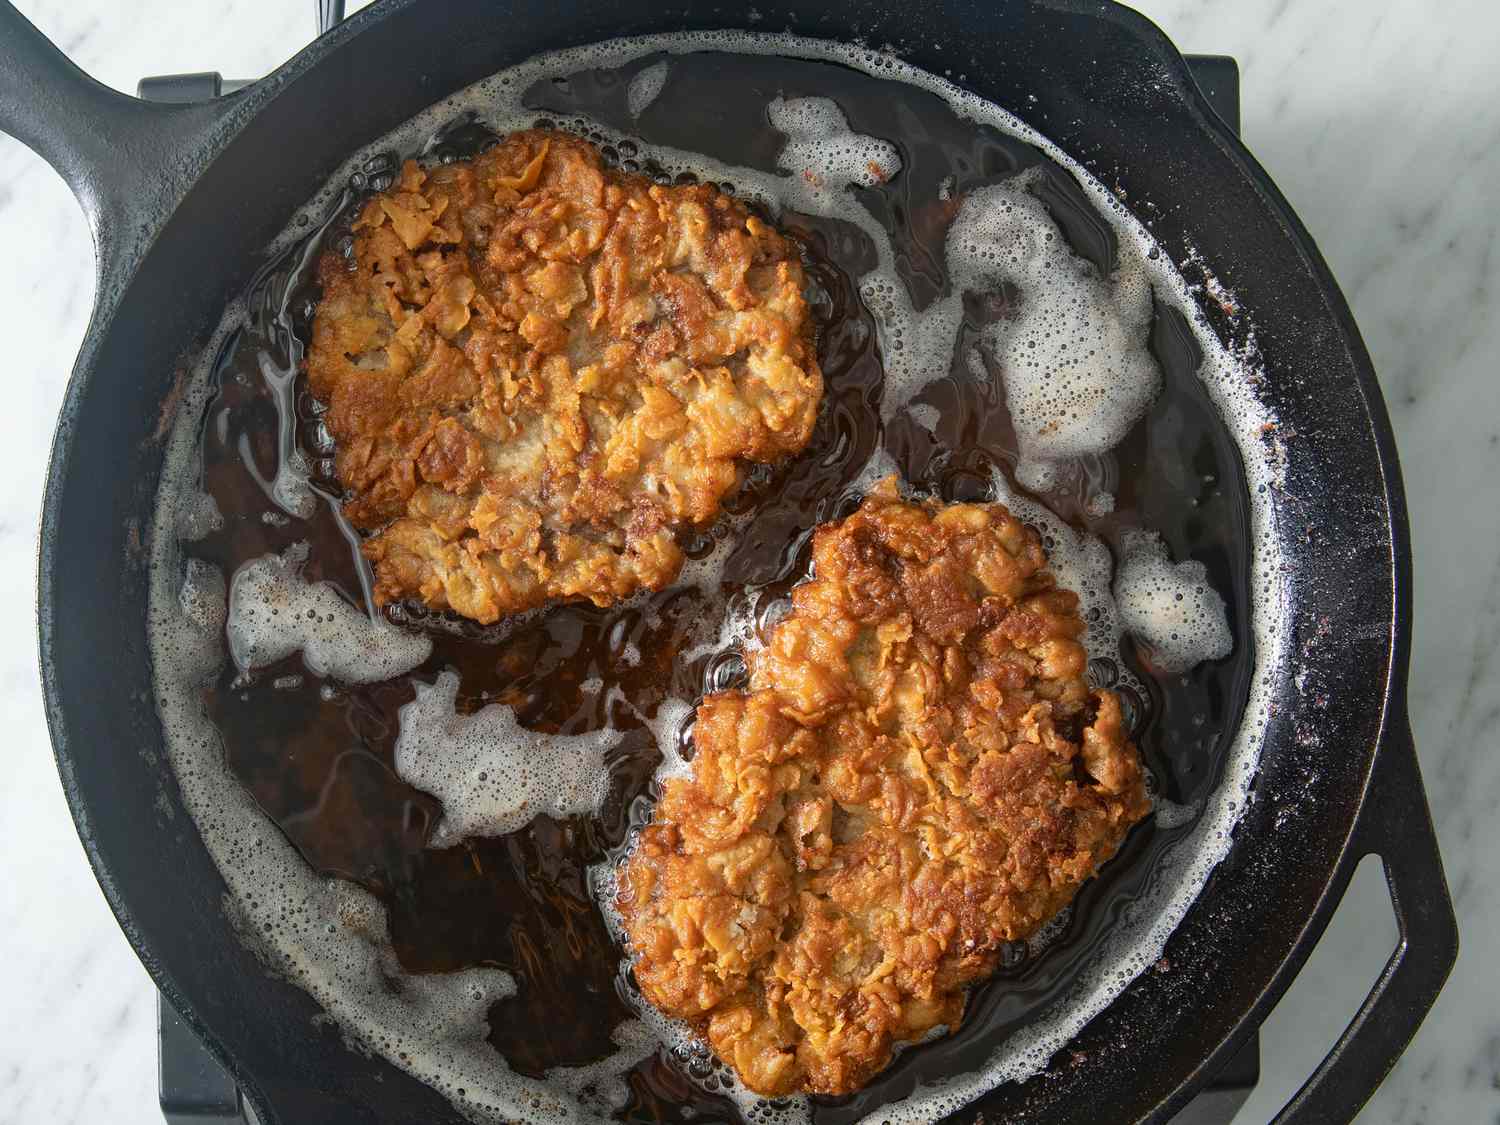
(824, 151)
(1100, 504)
(200, 517)
(924, 415)
(1169, 814)
(736, 628)
(600, 1086)
(1073, 359)
(646, 87)
(1170, 607)
(203, 604)
(707, 571)
(203, 597)
(326, 936)
(274, 612)
(492, 774)
(666, 726)
(329, 937)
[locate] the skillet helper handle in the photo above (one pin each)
(128, 162)
(1395, 824)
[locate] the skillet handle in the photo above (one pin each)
(1395, 824)
(128, 162)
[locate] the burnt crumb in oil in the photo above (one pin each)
(319, 756)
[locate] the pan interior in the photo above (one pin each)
(474, 1013)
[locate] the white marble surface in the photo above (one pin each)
(1380, 119)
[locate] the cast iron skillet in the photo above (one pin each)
(182, 200)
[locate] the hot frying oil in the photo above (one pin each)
(318, 756)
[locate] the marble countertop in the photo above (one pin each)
(1379, 119)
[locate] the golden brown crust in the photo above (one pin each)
(917, 774)
(537, 368)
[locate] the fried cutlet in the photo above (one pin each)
(537, 369)
(917, 774)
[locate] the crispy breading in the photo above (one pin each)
(917, 774)
(538, 368)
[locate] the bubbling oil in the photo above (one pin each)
(938, 232)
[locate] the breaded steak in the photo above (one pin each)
(537, 369)
(917, 774)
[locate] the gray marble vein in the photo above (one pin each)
(1378, 118)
